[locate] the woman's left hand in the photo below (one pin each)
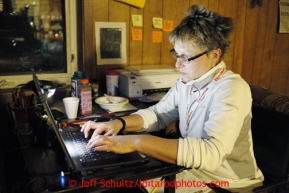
(118, 144)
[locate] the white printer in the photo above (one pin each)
(136, 81)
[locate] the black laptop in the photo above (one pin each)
(74, 143)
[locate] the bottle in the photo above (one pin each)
(75, 82)
(112, 82)
(85, 97)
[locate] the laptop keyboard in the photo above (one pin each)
(87, 154)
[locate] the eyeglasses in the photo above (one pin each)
(184, 58)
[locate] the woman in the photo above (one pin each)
(212, 104)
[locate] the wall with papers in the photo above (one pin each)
(258, 51)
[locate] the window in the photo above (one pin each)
(37, 35)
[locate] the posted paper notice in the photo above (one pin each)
(284, 16)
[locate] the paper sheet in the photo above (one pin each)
(158, 22)
(152, 69)
(126, 107)
(137, 20)
(168, 25)
(136, 3)
(156, 96)
(157, 36)
(136, 34)
(284, 16)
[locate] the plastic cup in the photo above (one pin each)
(71, 107)
(112, 82)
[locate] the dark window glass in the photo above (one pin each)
(32, 36)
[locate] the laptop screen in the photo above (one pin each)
(42, 97)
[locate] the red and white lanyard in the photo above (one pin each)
(196, 103)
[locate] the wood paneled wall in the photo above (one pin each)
(257, 52)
